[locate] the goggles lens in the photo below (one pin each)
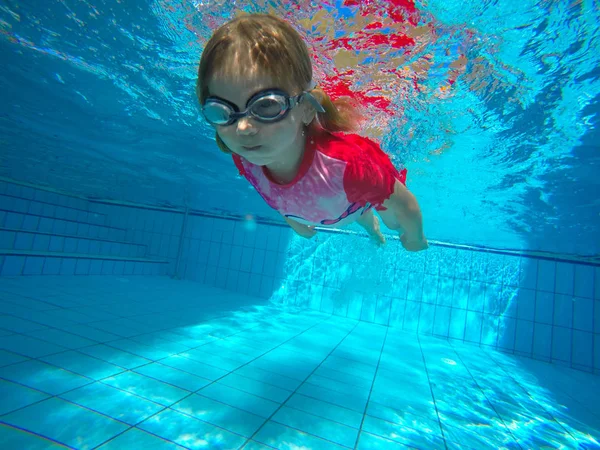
(269, 106)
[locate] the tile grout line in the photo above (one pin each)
(360, 429)
(432, 393)
(301, 384)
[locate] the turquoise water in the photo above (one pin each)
(150, 299)
(505, 158)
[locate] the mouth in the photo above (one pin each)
(253, 148)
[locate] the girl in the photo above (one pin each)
(286, 135)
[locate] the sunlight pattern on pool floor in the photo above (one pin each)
(111, 362)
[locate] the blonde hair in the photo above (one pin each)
(271, 45)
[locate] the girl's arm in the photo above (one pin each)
(306, 231)
(404, 214)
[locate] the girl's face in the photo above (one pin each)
(260, 143)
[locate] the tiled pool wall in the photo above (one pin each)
(543, 309)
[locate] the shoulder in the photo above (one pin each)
(348, 147)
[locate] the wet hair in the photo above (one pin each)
(271, 46)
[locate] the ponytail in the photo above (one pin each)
(341, 114)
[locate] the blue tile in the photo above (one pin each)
(273, 239)
(41, 242)
(584, 281)
(254, 285)
(94, 247)
(546, 277)
(583, 348)
(34, 265)
(258, 261)
(280, 436)
(460, 294)
(220, 414)
(458, 319)
(317, 426)
(544, 307)
(506, 334)
(246, 260)
(476, 296)
(565, 277)
(214, 253)
(597, 316)
(14, 396)
(108, 267)
(15, 438)
(23, 241)
(46, 225)
(83, 429)
(401, 434)
(31, 223)
(43, 377)
(70, 245)
(430, 288)
(528, 274)
(415, 286)
(110, 401)
(382, 310)
(367, 311)
(583, 314)
(563, 310)
(542, 340)
(266, 286)
(67, 266)
(561, 344)
(526, 304)
(96, 267)
(240, 399)
(473, 326)
(113, 355)
(426, 315)
(191, 432)
(14, 220)
(7, 239)
(151, 389)
(28, 346)
(82, 364)
(597, 353)
(82, 267)
(524, 336)
(56, 244)
(479, 264)
(411, 316)
(221, 278)
(135, 438)
(129, 268)
(243, 282)
(342, 399)
(441, 324)
(52, 266)
(258, 388)
(7, 358)
(13, 265)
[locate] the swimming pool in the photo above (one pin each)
(142, 305)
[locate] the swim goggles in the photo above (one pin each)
(267, 106)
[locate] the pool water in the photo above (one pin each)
(147, 362)
(150, 299)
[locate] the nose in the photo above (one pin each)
(246, 127)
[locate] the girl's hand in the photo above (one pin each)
(414, 244)
(306, 231)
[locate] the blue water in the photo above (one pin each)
(150, 299)
(99, 99)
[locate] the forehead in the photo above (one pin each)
(239, 86)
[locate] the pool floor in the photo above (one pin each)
(155, 363)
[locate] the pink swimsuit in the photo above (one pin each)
(341, 176)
